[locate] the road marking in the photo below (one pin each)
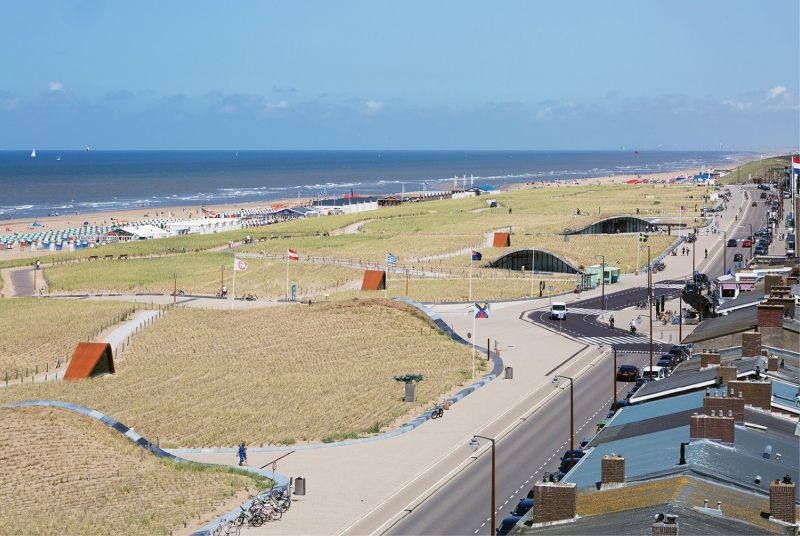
(624, 339)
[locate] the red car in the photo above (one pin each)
(747, 243)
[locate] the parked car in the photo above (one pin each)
(760, 251)
(679, 350)
(700, 278)
(763, 195)
(665, 362)
(627, 373)
(738, 257)
(732, 243)
(578, 453)
(655, 373)
(747, 242)
(754, 204)
(620, 404)
(507, 525)
(523, 507)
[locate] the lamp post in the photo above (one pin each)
(221, 278)
(474, 443)
(752, 238)
(614, 383)
(724, 252)
(174, 288)
(650, 305)
(571, 416)
(602, 282)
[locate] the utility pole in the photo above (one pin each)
(650, 302)
(614, 382)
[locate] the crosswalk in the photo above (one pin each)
(677, 286)
(622, 339)
(584, 311)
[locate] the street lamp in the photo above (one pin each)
(752, 238)
(474, 443)
(222, 278)
(650, 305)
(602, 282)
(556, 382)
(724, 252)
(174, 288)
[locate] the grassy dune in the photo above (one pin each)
(67, 474)
(755, 169)
(214, 378)
(198, 273)
(40, 331)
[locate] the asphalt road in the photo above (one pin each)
(522, 458)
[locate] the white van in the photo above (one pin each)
(657, 373)
(558, 311)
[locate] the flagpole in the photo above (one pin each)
(638, 247)
(233, 297)
(287, 275)
(470, 276)
(386, 283)
(474, 336)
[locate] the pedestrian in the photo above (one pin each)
(611, 321)
(706, 253)
(242, 453)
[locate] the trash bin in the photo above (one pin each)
(300, 486)
(509, 373)
(411, 392)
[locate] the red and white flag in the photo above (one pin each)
(292, 255)
(796, 164)
(239, 265)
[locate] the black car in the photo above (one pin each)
(763, 195)
(754, 204)
(627, 373)
(738, 257)
(577, 453)
(732, 243)
(760, 251)
(700, 278)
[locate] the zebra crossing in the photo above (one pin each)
(584, 311)
(676, 286)
(622, 339)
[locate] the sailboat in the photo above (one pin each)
(33, 153)
(59, 158)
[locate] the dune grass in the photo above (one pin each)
(755, 169)
(197, 273)
(67, 474)
(39, 331)
(203, 378)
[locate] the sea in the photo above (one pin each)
(69, 182)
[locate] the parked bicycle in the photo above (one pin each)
(438, 411)
(227, 528)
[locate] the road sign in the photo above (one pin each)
(482, 310)
(294, 292)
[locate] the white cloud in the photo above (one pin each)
(55, 86)
(739, 105)
(280, 105)
(775, 92)
(374, 106)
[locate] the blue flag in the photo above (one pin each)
(476, 255)
(390, 259)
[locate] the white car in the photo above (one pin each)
(558, 311)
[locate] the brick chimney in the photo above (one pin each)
(786, 302)
(780, 291)
(708, 358)
(771, 281)
(751, 344)
(724, 406)
(612, 471)
(772, 364)
(713, 427)
(757, 393)
(781, 500)
(553, 501)
(726, 373)
(667, 525)
(770, 315)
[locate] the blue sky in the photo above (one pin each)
(390, 75)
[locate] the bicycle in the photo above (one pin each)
(252, 518)
(227, 528)
(438, 411)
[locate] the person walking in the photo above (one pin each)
(611, 321)
(242, 453)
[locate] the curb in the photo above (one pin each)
(281, 481)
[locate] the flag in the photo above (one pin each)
(683, 209)
(481, 310)
(476, 255)
(8, 229)
(796, 164)
(292, 255)
(239, 265)
(390, 259)
(642, 237)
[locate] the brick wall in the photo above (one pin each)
(724, 404)
(714, 428)
(770, 316)
(787, 303)
(754, 393)
(781, 501)
(612, 469)
(660, 528)
(751, 343)
(553, 501)
(770, 281)
(727, 373)
(709, 358)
